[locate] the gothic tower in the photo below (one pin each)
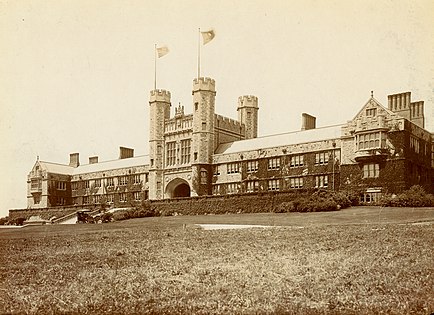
(159, 112)
(203, 135)
(248, 114)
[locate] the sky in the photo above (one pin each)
(75, 76)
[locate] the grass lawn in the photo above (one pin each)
(362, 260)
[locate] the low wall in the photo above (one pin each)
(44, 213)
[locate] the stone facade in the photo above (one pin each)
(381, 150)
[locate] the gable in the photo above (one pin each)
(372, 109)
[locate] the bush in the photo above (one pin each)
(414, 197)
(142, 211)
(17, 221)
(318, 201)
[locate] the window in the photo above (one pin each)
(252, 166)
(75, 201)
(322, 158)
(371, 140)
(203, 126)
(297, 160)
(137, 196)
(232, 188)
(217, 170)
(274, 164)
(371, 112)
(110, 182)
(370, 197)
(185, 151)
(86, 200)
(273, 184)
(171, 153)
(61, 201)
(216, 190)
(252, 186)
(110, 198)
(36, 184)
(61, 186)
(123, 197)
(195, 156)
(233, 168)
(203, 177)
(196, 106)
(414, 144)
(321, 181)
(296, 182)
(122, 180)
(97, 199)
(137, 179)
(86, 184)
(371, 170)
(74, 185)
(98, 182)
(36, 198)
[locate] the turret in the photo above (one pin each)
(248, 114)
(203, 134)
(159, 112)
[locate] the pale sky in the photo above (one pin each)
(75, 76)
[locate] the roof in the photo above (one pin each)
(112, 165)
(304, 136)
(56, 168)
(96, 167)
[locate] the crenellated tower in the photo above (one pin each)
(248, 114)
(203, 134)
(159, 112)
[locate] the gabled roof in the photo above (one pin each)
(96, 167)
(304, 136)
(56, 168)
(372, 102)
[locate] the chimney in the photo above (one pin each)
(125, 153)
(308, 121)
(93, 159)
(74, 159)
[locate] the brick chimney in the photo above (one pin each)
(125, 153)
(74, 159)
(308, 121)
(93, 159)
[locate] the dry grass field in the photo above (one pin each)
(355, 261)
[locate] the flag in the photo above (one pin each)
(162, 51)
(208, 36)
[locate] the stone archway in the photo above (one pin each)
(178, 188)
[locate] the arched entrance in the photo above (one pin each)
(182, 190)
(177, 188)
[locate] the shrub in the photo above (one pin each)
(414, 197)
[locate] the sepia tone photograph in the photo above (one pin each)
(217, 157)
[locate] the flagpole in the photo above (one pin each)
(155, 66)
(198, 56)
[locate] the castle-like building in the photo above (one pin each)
(381, 150)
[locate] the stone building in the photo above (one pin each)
(381, 150)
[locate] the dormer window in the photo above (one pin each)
(371, 112)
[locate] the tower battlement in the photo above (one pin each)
(203, 84)
(160, 96)
(248, 101)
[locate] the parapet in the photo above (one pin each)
(160, 96)
(247, 101)
(203, 84)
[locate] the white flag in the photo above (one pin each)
(208, 36)
(162, 51)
